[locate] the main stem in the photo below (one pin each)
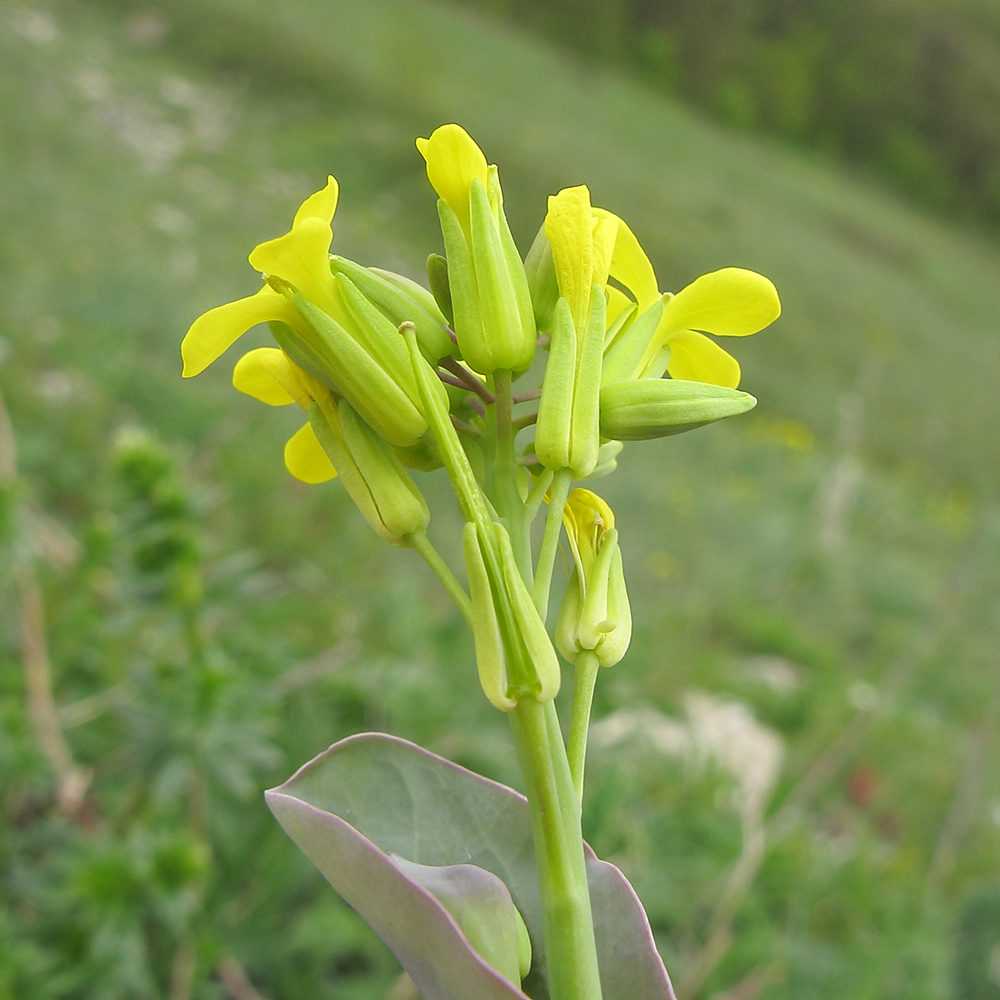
(567, 921)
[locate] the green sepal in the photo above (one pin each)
(607, 459)
(516, 272)
(507, 343)
(555, 405)
(538, 673)
(596, 615)
(485, 624)
(615, 644)
(568, 619)
(540, 271)
(357, 376)
(380, 337)
(641, 409)
(400, 504)
(306, 350)
(586, 415)
(437, 278)
(399, 299)
(468, 324)
(623, 358)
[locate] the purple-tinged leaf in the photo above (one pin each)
(371, 796)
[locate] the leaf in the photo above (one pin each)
(373, 795)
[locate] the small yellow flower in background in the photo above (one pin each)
(300, 257)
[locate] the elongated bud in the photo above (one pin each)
(399, 300)
(514, 653)
(485, 624)
(374, 477)
(331, 355)
(641, 409)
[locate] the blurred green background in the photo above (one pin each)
(796, 763)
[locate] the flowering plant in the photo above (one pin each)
(478, 891)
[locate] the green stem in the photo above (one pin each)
(422, 544)
(567, 921)
(584, 681)
(507, 497)
(558, 493)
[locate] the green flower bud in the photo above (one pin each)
(399, 300)
(641, 409)
(371, 472)
(513, 651)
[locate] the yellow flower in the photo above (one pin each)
(731, 302)
(300, 257)
(491, 306)
(595, 612)
(368, 467)
(268, 375)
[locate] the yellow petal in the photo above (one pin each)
(322, 205)
(631, 266)
(453, 161)
(305, 458)
(586, 517)
(732, 302)
(253, 375)
(300, 257)
(605, 233)
(695, 358)
(212, 333)
(569, 226)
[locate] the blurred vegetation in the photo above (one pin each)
(181, 625)
(908, 88)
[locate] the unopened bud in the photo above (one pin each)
(641, 409)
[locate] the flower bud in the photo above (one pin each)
(595, 611)
(640, 409)
(513, 651)
(492, 312)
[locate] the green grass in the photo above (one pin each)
(845, 534)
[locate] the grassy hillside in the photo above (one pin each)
(830, 563)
